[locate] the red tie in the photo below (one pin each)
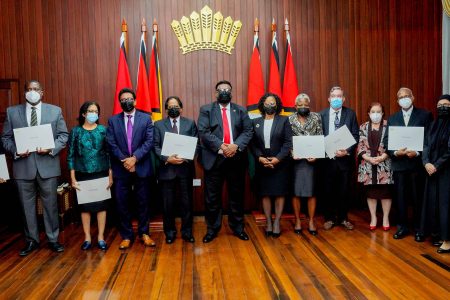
(226, 127)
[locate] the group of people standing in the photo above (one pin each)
(121, 152)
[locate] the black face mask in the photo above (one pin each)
(224, 97)
(303, 111)
(270, 110)
(173, 112)
(443, 112)
(127, 106)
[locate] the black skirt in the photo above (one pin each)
(273, 182)
(92, 207)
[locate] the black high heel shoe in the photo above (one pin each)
(312, 232)
(298, 231)
(269, 233)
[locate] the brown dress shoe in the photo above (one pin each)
(125, 244)
(148, 242)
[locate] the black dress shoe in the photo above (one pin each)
(86, 245)
(209, 237)
(55, 247)
(188, 238)
(29, 247)
(442, 251)
(276, 235)
(401, 233)
(169, 240)
(243, 236)
(312, 232)
(298, 231)
(269, 233)
(420, 238)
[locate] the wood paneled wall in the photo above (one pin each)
(369, 47)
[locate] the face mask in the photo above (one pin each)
(91, 117)
(443, 112)
(173, 112)
(303, 111)
(336, 103)
(224, 97)
(33, 97)
(375, 117)
(270, 110)
(127, 106)
(405, 103)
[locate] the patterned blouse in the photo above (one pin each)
(87, 150)
(312, 126)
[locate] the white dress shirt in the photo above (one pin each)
(125, 119)
(407, 115)
(178, 124)
(228, 107)
(267, 129)
(38, 112)
(333, 112)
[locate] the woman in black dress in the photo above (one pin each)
(271, 145)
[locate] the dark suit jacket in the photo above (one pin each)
(142, 143)
(211, 131)
(169, 171)
(280, 138)
(418, 118)
(348, 117)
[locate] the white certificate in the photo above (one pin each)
(401, 137)
(308, 146)
(93, 190)
(4, 174)
(33, 137)
(182, 145)
(338, 140)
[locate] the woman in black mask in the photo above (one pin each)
(436, 159)
(304, 122)
(271, 145)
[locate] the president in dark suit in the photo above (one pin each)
(130, 140)
(338, 170)
(175, 172)
(225, 131)
(408, 171)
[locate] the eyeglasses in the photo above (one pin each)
(34, 89)
(443, 105)
(127, 99)
(224, 90)
(169, 107)
(93, 111)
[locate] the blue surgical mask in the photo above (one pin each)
(91, 117)
(405, 103)
(336, 103)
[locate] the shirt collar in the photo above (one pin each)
(227, 107)
(130, 114)
(177, 118)
(408, 112)
(38, 106)
(332, 111)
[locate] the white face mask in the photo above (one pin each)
(405, 103)
(376, 117)
(33, 97)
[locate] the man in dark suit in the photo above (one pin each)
(130, 140)
(409, 174)
(38, 170)
(225, 131)
(175, 172)
(338, 170)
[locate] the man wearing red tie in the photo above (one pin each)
(225, 131)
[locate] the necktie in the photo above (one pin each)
(336, 121)
(33, 117)
(174, 126)
(129, 133)
(226, 127)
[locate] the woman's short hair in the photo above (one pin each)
(84, 109)
(302, 96)
(263, 99)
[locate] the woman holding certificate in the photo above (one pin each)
(374, 169)
(271, 145)
(88, 159)
(304, 123)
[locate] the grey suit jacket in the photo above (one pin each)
(47, 165)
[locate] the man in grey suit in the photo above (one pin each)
(39, 169)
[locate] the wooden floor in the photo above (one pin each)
(337, 264)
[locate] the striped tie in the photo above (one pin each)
(33, 117)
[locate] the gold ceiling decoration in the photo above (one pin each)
(446, 6)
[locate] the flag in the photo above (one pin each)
(290, 86)
(142, 92)
(123, 74)
(255, 76)
(274, 65)
(155, 79)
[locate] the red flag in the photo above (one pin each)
(142, 93)
(123, 74)
(290, 86)
(274, 65)
(155, 78)
(255, 76)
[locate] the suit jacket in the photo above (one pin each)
(348, 117)
(47, 165)
(211, 131)
(141, 145)
(280, 138)
(168, 171)
(418, 118)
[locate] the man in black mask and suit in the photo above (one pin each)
(225, 131)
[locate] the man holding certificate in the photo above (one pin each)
(175, 172)
(36, 168)
(338, 170)
(408, 172)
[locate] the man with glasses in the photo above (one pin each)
(225, 131)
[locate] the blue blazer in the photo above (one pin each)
(141, 145)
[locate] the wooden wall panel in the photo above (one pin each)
(369, 47)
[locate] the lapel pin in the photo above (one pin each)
(257, 125)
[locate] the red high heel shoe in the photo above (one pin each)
(386, 228)
(372, 228)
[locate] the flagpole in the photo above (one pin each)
(125, 34)
(256, 29)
